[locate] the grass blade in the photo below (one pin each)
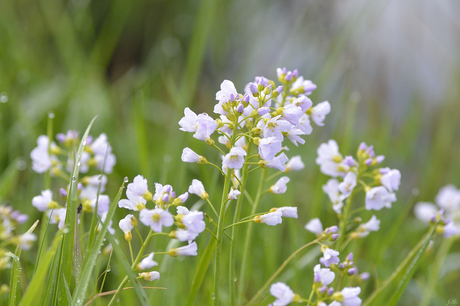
(82, 286)
(15, 270)
(141, 295)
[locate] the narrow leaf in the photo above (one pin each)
(15, 270)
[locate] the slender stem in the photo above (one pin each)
(237, 223)
(310, 297)
(217, 147)
(247, 241)
(212, 206)
(215, 166)
(139, 234)
(211, 232)
(236, 216)
(220, 231)
(131, 251)
(343, 222)
(435, 269)
(277, 272)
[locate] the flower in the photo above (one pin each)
(156, 218)
(147, 263)
(319, 112)
(379, 197)
(329, 257)
(269, 147)
(364, 229)
(330, 160)
(332, 190)
(280, 185)
(295, 164)
(283, 294)
(164, 194)
(202, 125)
(189, 156)
(347, 297)
(279, 162)
(233, 194)
(198, 189)
(288, 211)
(323, 275)
(126, 225)
(27, 240)
(235, 159)
(272, 218)
(390, 178)
(193, 221)
(150, 276)
(348, 184)
(103, 203)
(315, 226)
(188, 250)
(41, 160)
(137, 194)
(448, 198)
(44, 201)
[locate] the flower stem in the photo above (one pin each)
(237, 223)
(236, 216)
(247, 241)
(277, 272)
(343, 222)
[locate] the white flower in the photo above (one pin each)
(390, 179)
(189, 156)
(295, 164)
(372, 225)
(102, 204)
(303, 101)
(193, 221)
(332, 190)
(379, 197)
(280, 185)
(450, 230)
(424, 211)
(319, 112)
(57, 216)
(156, 218)
(182, 210)
(27, 240)
(41, 161)
(289, 212)
(44, 201)
(329, 257)
(347, 297)
(198, 189)
(126, 225)
(147, 263)
(269, 147)
(95, 180)
(150, 276)
(272, 218)
(323, 275)
(202, 125)
(448, 198)
(279, 162)
(348, 184)
(185, 235)
(330, 160)
(235, 159)
(314, 226)
(187, 250)
(227, 92)
(283, 294)
(137, 194)
(304, 124)
(233, 194)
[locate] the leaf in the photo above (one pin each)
(82, 286)
(8, 179)
(129, 272)
(15, 271)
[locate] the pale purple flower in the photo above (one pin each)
(319, 112)
(185, 235)
(348, 184)
(233, 194)
(202, 125)
(329, 257)
(347, 297)
(329, 159)
(279, 162)
(448, 198)
(163, 194)
(303, 86)
(390, 178)
(227, 92)
(44, 201)
(235, 159)
(315, 226)
(102, 204)
(280, 185)
(147, 262)
(303, 102)
(305, 125)
(269, 147)
(424, 211)
(197, 188)
(289, 212)
(275, 127)
(27, 240)
(292, 114)
(379, 197)
(187, 250)
(323, 275)
(283, 294)
(372, 225)
(156, 218)
(189, 156)
(150, 276)
(41, 160)
(57, 216)
(450, 230)
(95, 181)
(126, 225)
(294, 137)
(295, 164)
(332, 190)
(188, 123)
(193, 221)
(272, 218)
(182, 210)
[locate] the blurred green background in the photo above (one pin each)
(390, 70)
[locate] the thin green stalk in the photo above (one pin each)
(220, 231)
(239, 204)
(277, 272)
(435, 269)
(247, 241)
(343, 222)
(237, 223)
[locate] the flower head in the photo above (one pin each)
(156, 218)
(280, 185)
(283, 294)
(147, 263)
(379, 197)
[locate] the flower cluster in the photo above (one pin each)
(448, 210)
(189, 223)
(9, 220)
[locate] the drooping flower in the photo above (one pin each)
(279, 162)
(319, 112)
(187, 250)
(272, 218)
(315, 226)
(347, 297)
(147, 262)
(269, 147)
(364, 229)
(44, 201)
(189, 156)
(150, 276)
(288, 212)
(197, 188)
(233, 194)
(332, 190)
(295, 164)
(126, 225)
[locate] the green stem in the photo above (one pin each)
(237, 223)
(247, 241)
(236, 216)
(343, 222)
(435, 269)
(212, 206)
(270, 280)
